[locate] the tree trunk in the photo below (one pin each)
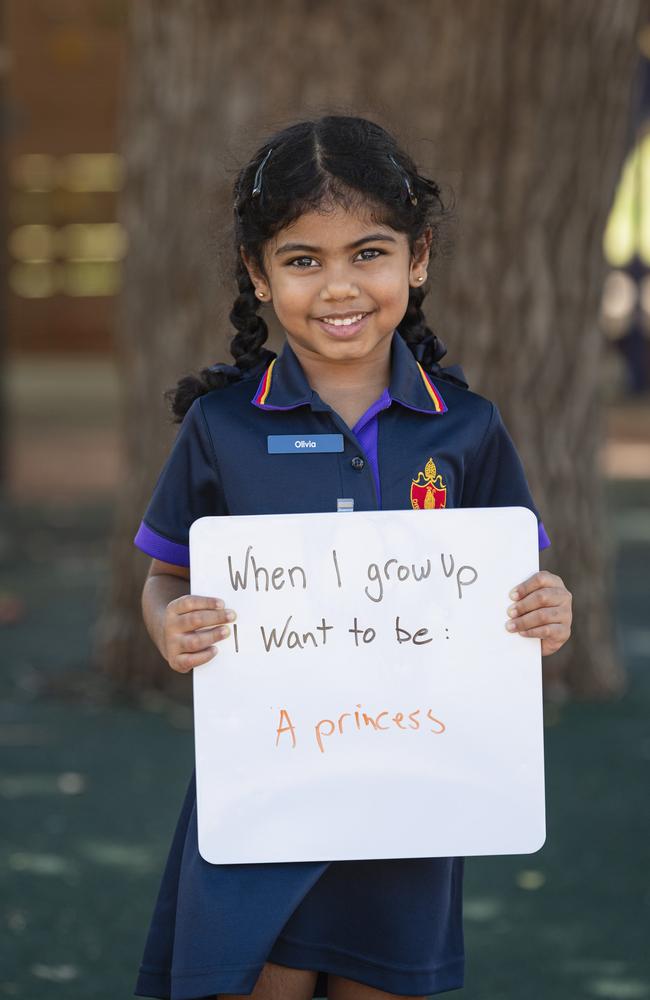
(521, 107)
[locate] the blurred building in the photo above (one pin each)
(63, 69)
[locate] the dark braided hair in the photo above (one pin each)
(337, 159)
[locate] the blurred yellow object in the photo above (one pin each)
(90, 172)
(33, 243)
(34, 280)
(90, 278)
(529, 879)
(96, 241)
(628, 228)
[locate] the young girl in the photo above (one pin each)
(335, 227)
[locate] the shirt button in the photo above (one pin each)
(357, 463)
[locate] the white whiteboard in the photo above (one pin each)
(283, 773)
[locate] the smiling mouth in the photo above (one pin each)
(348, 320)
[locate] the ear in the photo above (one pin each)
(420, 259)
(262, 287)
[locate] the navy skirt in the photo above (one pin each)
(394, 924)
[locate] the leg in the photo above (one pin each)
(279, 982)
(347, 989)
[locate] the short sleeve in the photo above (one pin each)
(495, 476)
(188, 487)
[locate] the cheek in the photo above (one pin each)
(390, 281)
(392, 292)
(291, 295)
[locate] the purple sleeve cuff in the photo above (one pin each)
(544, 540)
(161, 548)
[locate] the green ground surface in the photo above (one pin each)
(90, 793)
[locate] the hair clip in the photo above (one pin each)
(412, 197)
(257, 183)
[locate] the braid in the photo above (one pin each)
(427, 348)
(247, 344)
(189, 387)
(246, 348)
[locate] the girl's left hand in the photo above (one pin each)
(542, 609)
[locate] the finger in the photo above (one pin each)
(196, 642)
(196, 602)
(541, 616)
(554, 632)
(189, 621)
(545, 597)
(541, 579)
(550, 640)
(184, 662)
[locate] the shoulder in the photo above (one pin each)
(230, 401)
(478, 416)
(470, 403)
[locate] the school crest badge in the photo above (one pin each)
(428, 491)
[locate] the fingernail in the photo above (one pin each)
(230, 615)
(513, 595)
(511, 626)
(512, 610)
(218, 603)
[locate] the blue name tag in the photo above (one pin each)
(307, 444)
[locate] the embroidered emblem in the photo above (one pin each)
(428, 491)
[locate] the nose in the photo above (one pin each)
(338, 289)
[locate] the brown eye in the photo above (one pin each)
(297, 261)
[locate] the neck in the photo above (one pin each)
(350, 386)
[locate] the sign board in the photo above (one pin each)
(370, 702)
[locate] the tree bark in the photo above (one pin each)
(522, 108)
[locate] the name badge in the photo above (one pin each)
(308, 444)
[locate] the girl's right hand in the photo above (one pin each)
(191, 626)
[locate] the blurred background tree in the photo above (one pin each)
(90, 787)
(521, 108)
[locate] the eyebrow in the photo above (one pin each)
(371, 238)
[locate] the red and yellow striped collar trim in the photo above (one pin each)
(264, 388)
(437, 399)
(265, 385)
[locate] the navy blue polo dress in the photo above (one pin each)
(393, 924)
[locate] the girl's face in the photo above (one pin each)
(339, 282)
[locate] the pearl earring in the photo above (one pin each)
(420, 278)
(261, 294)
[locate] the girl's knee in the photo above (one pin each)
(279, 982)
(341, 988)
